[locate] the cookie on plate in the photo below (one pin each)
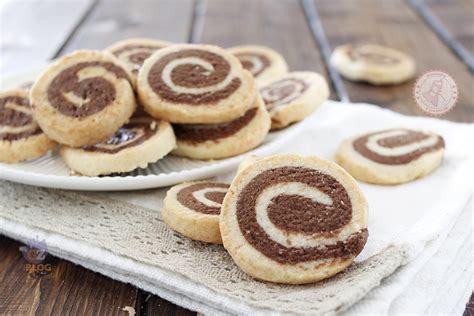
(141, 141)
(292, 219)
(20, 136)
(214, 141)
(191, 83)
(83, 98)
(391, 156)
(134, 51)
(375, 64)
(294, 96)
(264, 63)
(193, 209)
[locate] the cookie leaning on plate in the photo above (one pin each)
(141, 141)
(294, 96)
(83, 98)
(134, 51)
(292, 219)
(195, 84)
(193, 209)
(264, 63)
(214, 141)
(391, 156)
(20, 136)
(373, 63)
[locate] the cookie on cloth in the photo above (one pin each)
(294, 220)
(294, 96)
(264, 63)
(20, 136)
(375, 64)
(141, 141)
(134, 51)
(192, 83)
(83, 98)
(214, 141)
(391, 156)
(193, 209)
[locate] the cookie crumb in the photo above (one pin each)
(130, 310)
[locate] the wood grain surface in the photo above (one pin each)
(283, 25)
(393, 23)
(114, 20)
(284, 29)
(458, 17)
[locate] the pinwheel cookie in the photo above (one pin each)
(136, 144)
(292, 219)
(195, 84)
(193, 209)
(373, 63)
(391, 156)
(20, 136)
(83, 98)
(134, 51)
(213, 141)
(264, 63)
(294, 96)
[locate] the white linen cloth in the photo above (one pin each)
(407, 225)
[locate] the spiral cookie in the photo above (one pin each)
(213, 141)
(20, 136)
(373, 63)
(83, 98)
(292, 219)
(294, 96)
(193, 209)
(391, 156)
(134, 51)
(264, 63)
(195, 84)
(136, 144)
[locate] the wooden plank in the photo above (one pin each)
(469, 311)
(458, 17)
(32, 31)
(67, 290)
(114, 20)
(443, 33)
(156, 306)
(280, 25)
(395, 24)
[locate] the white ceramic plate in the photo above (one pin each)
(50, 171)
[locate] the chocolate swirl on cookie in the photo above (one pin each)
(283, 92)
(198, 133)
(203, 197)
(136, 54)
(16, 120)
(366, 54)
(193, 76)
(76, 93)
(137, 131)
(397, 146)
(283, 212)
(253, 62)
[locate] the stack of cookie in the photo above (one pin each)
(211, 100)
(289, 97)
(138, 100)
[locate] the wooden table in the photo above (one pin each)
(304, 32)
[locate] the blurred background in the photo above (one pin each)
(439, 34)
